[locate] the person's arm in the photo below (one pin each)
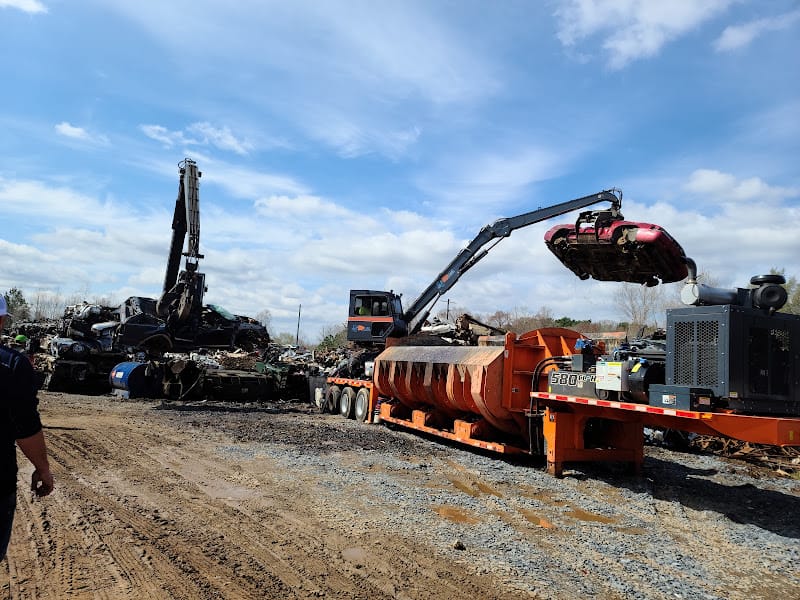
(35, 450)
(26, 426)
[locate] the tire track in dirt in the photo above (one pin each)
(149, 539)
(300, 535)
(254, 560)
(89, 541)
(143, 510)
(64, 552)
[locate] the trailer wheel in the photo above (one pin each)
(362, 405)
(332, 399)
(347, 402)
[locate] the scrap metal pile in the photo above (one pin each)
(275, 372)
(81, 352)
(92, 341)
(784, 460)
(77, 352)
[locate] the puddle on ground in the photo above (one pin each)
(536, 519)
(474, 488)
(544, 496)
(633, 530)
(455, 514)
(582, 515)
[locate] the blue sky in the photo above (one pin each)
(362, 144)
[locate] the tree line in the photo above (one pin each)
(637, 306)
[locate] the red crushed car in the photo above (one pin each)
(609, 250)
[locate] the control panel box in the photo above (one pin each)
(680, 397)
(612, 376)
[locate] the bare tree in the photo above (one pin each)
(286, 338)
(47, 305)
(500, 319)
(265, 318)
(522, 321)
(449, 312)
(598, 326)
(79, 295)
(103, 301)
(641, 305)
(333, 336)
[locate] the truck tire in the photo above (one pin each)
(332, 399)
(347, 402)
(362, 405)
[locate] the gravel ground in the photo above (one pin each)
(694, 526)
(251, 501)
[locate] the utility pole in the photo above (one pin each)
(297, 336)
(447, 316)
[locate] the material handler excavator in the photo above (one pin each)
(640, 253)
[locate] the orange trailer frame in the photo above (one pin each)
(358, 384)
(485, 384)
(565, 420)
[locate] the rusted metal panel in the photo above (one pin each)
(489, 382)
(453, 380)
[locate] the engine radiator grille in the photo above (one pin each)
(696, 361)
(742, 355)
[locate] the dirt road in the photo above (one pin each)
(278, 502)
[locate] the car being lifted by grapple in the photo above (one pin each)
(605, 247)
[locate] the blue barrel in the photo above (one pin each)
(131, 380)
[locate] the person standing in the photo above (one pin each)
(20, 424)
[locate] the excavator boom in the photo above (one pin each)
(376, 315)
(420, 309)
(182, 294)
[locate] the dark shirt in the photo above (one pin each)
(19, 417)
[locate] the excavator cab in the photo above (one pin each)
(374, 316)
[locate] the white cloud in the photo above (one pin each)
(402, 45)
(36, 199)
(162, 134)
(723, 188)
(394, 48)
(359, 77)
(356, 135)
(632, 29)
(733, 226)
(220, 138)
(739, 36)
(301, 206)
(29, 6)
(68, 130)
(198, 134)
(251, 183)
